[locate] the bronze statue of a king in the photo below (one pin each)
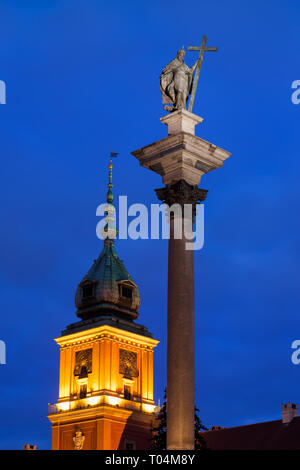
(176, 82)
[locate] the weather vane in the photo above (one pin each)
(112, 153)
(177, 80)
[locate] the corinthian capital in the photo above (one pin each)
(181, 193)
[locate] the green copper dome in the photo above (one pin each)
(107, 288)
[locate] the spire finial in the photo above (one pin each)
(109, 231)
(110, 195)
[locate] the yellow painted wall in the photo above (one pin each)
(105, 366)
(104, 429)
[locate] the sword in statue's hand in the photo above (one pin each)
(201, 50)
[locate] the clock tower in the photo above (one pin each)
(106, 361)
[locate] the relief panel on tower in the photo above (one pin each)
(83, 362)
(128, 363)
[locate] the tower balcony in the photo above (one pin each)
(102, 400)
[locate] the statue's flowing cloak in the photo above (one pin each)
(167, 81)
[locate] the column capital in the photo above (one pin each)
(181, 193)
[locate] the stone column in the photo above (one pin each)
(181, 312)
(181, 159)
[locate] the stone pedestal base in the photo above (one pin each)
(181, 155)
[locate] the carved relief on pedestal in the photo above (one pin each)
(128, 363)
(78, 440)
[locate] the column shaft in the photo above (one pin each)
(180, 345)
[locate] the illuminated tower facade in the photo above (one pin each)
(106, 361)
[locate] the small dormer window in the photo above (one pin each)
(126, 292)
(87, 291)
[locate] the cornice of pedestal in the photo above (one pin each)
(181, 155)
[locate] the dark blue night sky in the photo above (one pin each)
(82, 75)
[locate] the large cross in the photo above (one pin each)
(202, 49)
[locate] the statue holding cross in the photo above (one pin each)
(177, 80)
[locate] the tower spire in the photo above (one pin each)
(110, 228)
(110, 195)
(107, 288)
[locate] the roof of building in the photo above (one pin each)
(269, 435)
(108, 267)
(111, 320)
(106, 276)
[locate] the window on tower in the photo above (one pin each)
(88, 291)
(83, 391)
(127, 392)
(126, 292)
